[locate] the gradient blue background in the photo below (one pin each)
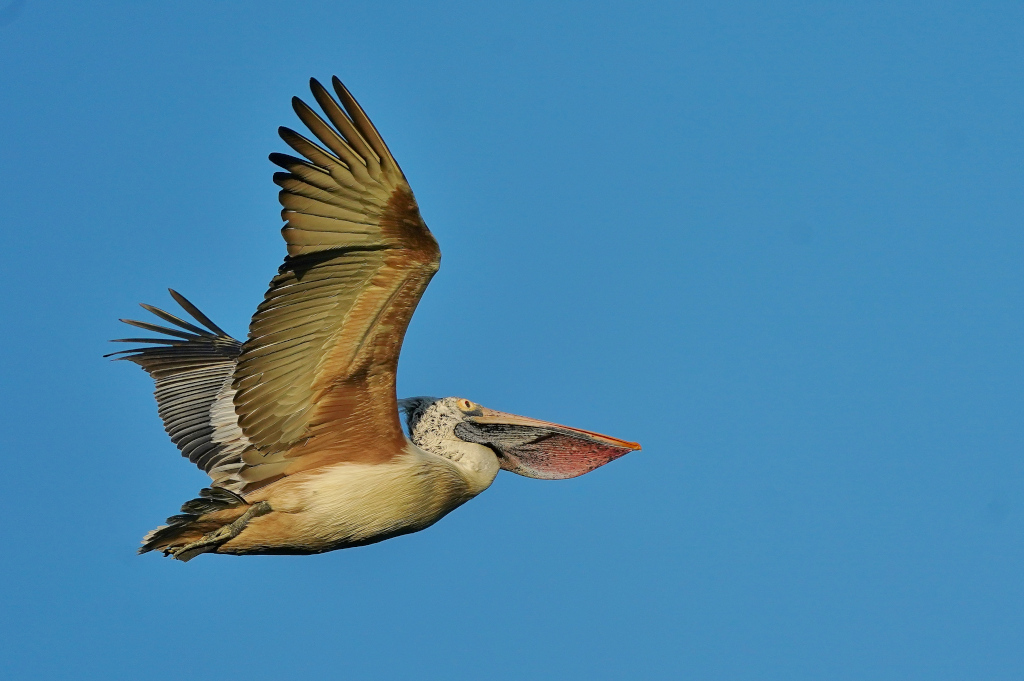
(779, 244)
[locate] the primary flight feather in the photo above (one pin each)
(299, 426)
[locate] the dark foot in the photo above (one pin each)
(210, 542)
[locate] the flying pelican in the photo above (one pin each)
(299, 426)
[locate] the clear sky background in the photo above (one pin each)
(780, 244)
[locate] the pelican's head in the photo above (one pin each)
(536, 449)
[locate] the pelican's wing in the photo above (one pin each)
(315, 382)
(192, 366)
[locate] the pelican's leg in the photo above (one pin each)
(210, 541)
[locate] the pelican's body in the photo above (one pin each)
(298, 427)
(351, 504)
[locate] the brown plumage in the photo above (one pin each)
(298, 427)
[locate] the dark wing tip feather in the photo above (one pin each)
(196, 313)
(364, 124)
(168, 317)
(287, 161)
(158, 329)
(169, 341)
(185, 334)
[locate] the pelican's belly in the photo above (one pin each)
(349, 503)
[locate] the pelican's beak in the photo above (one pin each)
(538, 449)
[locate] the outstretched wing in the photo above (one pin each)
(315, 381)
(192, 368)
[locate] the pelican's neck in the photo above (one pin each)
(477, 464)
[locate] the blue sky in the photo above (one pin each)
(779, 244)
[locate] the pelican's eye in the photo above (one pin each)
(466, 406)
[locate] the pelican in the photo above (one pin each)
(299, 427)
